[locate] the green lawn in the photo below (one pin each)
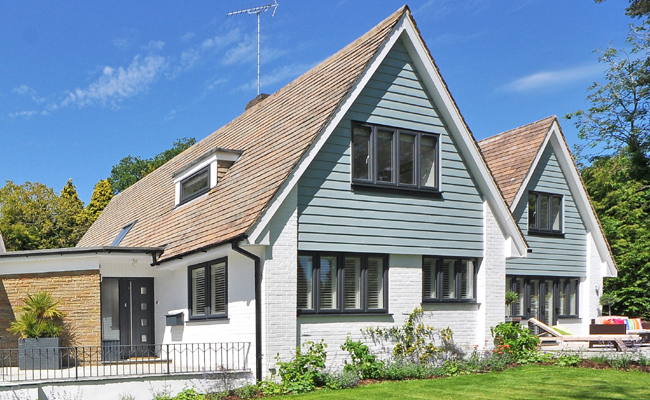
(527, 382)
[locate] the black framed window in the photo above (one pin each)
(385, 156)
(449, 279)
(342, 283)
(559, 297)
(544, 212)
(208, 289)
(195, 185)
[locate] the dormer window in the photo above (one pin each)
(123, 232)
(199, 177)
(195, 185)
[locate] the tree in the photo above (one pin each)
(102, 195)
(131, 169)
(637, 8)
(71, 218)
(619, 116)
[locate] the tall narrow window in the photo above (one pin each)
(375, 282)
(198, 292)
(544, 213)
(384, 156)
(361, 150)
(328, 282)
(305, 276)
(428, 155)
(352, 291)
(407, 159)
(208, 289)
(217, 286)
(429, 278)
(467, 279)
(556, 213)
(449, 279)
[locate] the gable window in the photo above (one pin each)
(120, 236)
(195, 185)
(342, 283)
(544, 212)
(208, 289)
(386, 156)
(448, 279)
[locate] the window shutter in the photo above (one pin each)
(449, 279)
(467, 279)
(352, 290)
(219, 288)
(375, 283)
(198, 291)
(305, 268)
(430, 278)
(328, 283)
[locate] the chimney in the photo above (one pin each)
(256, 100)
(3, 249)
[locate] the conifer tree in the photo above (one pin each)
(102, 195)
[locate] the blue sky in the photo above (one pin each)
(85, 83)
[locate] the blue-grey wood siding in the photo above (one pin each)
(551, 256)
(333, 217)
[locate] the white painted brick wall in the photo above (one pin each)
(279, 282)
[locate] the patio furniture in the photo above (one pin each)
(620, 342)
(623, 326)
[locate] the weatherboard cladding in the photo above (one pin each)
(273, 136)
(332, 216)
(552, 255)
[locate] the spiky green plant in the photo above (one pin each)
(39, 317)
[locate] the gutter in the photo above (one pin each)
(258, 307)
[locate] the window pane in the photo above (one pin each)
(375, 282)
(198, 291)
(467, 279)
(428, 161)
(543, 212)
(573, 297)
(305, 268)
(532, 211)
(219, 288)
(562, 297)
(361, 152)
(556, 212)
(195, 184)
(352, 292)
(430, 278)
(328, 282)
(518, 306)
(406, 159)
(385, 155)
(549, 308)
(449, 279)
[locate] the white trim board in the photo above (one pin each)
(406, 30)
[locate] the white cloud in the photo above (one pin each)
(154, 45)
(246, 52)
(121, 43)
(278, 75)
(115, 85)
(24, 114)
(218, 42)
(553, 79)
(188, 36)
(27, 91)
(213, 84)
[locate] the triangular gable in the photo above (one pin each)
(544, 133)
(435, 85)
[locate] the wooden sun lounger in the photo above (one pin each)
(619, 341)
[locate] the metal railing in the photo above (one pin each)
(112, 360)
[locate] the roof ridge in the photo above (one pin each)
(491, 138)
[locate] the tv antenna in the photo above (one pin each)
(257, 10)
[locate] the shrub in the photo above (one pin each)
(363, 363)
(568, 359)
(515, 340)
(305, 371)
(341, 380)
(247, 391)
(407, 369)
(189, 394)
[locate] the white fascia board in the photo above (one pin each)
(258, 228)
(49, 263)
(456, 126)
(580, 195)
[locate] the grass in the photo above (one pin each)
(526, 382)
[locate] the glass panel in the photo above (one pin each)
(352, 290)
(549, 308)
(328, 284)
(430, 278)
(195, 184)
(143, 322)
(110, 305)
(144, 338)
(543, 212)
(573, 297)
(143, 290)
(556, 212)
(449, 279)
(428, 161)
(563, 297)
(198, 291)
(219, 289)
(305, 268)
(361, 152)
(375, 282)
(518, 306)
(467, 279)
(384, 155)
(532, 211)
(406, 159)
(534, 299)
(143, 306)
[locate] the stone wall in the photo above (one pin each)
(78, 293)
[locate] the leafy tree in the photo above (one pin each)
(71, 218)
(637, 8)
(619, 116)
(102, 195)
(131, 169)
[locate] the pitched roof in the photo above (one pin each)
(510, 154)
(273, 136)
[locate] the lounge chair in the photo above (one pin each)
(620, 342)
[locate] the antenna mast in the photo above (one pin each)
(257, 10)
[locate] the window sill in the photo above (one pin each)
(545, 233)
(372, 187)
(339, 314)
(192, 320)
(450, 302)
